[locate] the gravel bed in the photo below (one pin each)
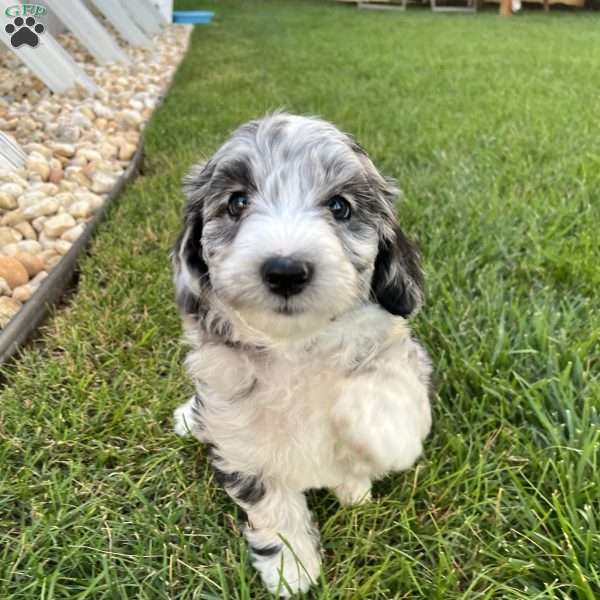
(78, 147)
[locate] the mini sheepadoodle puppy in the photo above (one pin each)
(295, 282)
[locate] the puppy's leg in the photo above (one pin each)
(284, 543)
(383, 414)
(187, 418)
(354, 491)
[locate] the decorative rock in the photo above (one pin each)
(62, 246)
(13, 271)
(94, 200)
(72, 234)
(53, 261)
(55, 163)
(17, 177)
(46, 255)
(102, 182)
(50, 189)
(33, 264)
(13, 217)
(38, 166)
(7, 202)
(22, 293)
(64, 199)
(26, 230)
(4, 287)
(108, 151)
(38, 223)
(88, 154)
(101, 110)
(29, 246)
(76, 175)
(80, 120)
(67, 186)
(80, 210)
(56, 175)
(35, 282)
(67, 133)
(12, 189)
(34, 147)
(9, 249)
(30, 198)
(126, 151)
(8, 236)
(46, 207)
(8, 309)
(46, 241)
(130, 118)
(56, 226)
(67, 150)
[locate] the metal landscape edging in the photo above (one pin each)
(21, 327)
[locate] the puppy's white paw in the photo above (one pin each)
(287, 572)
(184, 418)
(354, 491)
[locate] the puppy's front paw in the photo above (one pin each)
(286, 567)
(381, 427)
(354, 491)
(184, 417)
(286, 573)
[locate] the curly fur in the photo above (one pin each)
(325, 388)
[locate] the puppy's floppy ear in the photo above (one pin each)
(191, 276)
(397, 282)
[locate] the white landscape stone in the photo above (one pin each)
(10, 249)
(9, 236)
(30, 199)
(72, 234)
(26, 230)
(47, 206)
(12, 189)
(102, 182)
(8, 309)
(38, 166)
(4, 287)
(31, 246)
(22, 293)
(35, 281)
(55, 226)
(7, 202)
(62, 246)
(66, 150)
(38, 223)
(81, 209)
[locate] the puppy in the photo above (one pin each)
(294, 282)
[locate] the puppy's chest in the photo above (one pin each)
(284, 426)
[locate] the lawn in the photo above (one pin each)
(491, 128)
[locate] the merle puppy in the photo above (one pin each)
(295, 281)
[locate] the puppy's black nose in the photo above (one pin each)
(286, 276)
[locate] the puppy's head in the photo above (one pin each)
(290, 224)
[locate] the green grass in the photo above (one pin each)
(491, 127)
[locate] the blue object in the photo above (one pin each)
(193, 16)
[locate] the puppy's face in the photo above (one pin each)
(289, 224)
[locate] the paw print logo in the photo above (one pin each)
(24, 31)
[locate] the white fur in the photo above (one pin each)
(337, 410)
(324, 388)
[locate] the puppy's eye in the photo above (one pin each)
(340, 208)
(238, 201)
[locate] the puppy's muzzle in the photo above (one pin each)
(286, 276)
